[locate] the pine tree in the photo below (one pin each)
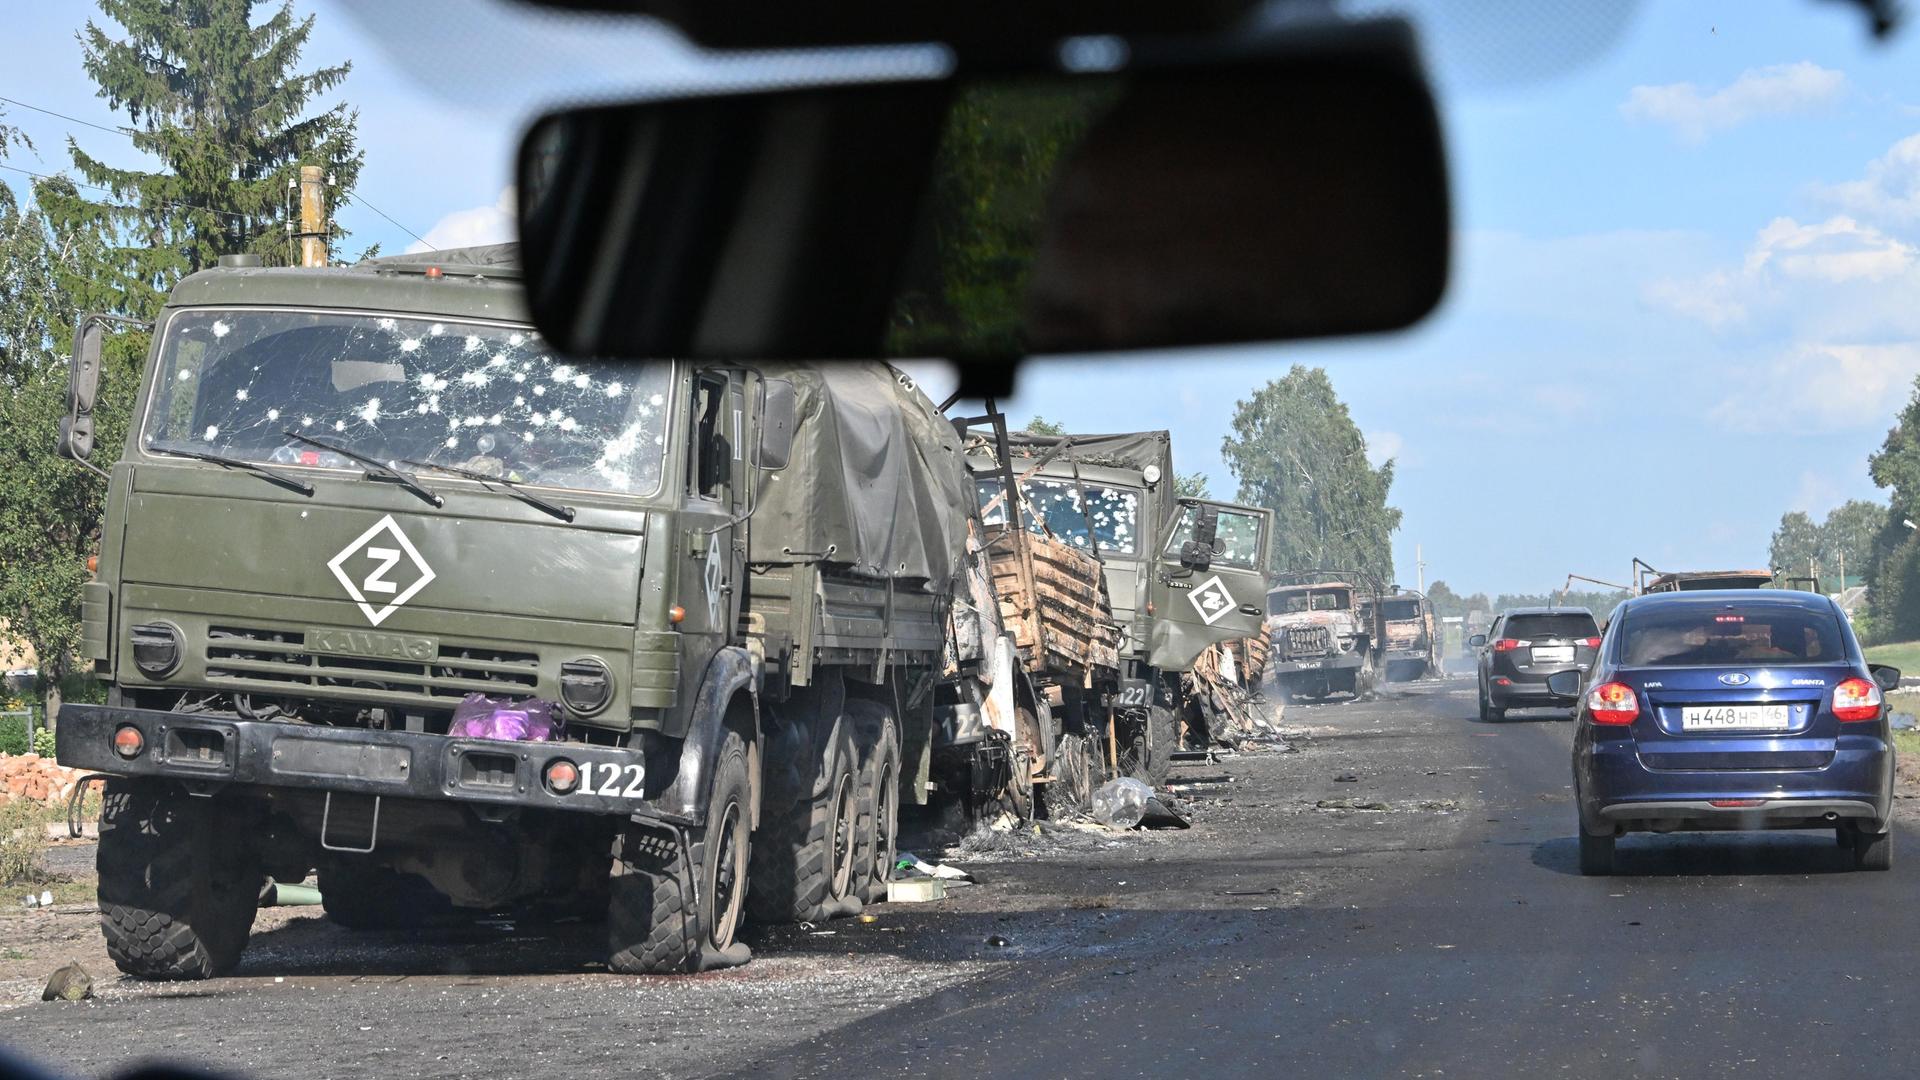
(216, 100)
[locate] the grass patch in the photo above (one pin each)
(1906, 743)
(1904, 655)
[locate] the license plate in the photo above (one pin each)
(1553, 654)
(1735, 718)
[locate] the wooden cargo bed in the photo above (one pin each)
(1054, 603)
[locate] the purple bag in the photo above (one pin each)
(527, 720)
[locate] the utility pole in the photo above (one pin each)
(1419, 569)
(312, 236)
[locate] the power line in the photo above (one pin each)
(124, 206)
(357, 197)
(130, 133)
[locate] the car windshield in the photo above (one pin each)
(1550, 626)
(1054, 508)
(1715, 635)
(483, 397)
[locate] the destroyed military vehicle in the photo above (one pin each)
(1322, 641)
(1408, 642)
(1175, 576)
(391, 591)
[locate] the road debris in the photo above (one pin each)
(1121, 802)
(69, 982)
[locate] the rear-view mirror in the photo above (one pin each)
(1565, 686)
(1197, 553)
(1285, 188)
(76, 437)
(1477, 640)
(83, 380)
(775, 445)
(1886, 678)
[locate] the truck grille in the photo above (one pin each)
(1307, 641)
(249, 658)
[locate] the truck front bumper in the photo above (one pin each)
(1343, 662)
(208, 752)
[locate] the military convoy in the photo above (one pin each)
(391, 591)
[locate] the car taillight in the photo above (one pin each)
(1855, 700)
(1591, 643)
(1612, 703)
(1505, 644)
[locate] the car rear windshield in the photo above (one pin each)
(1551, 626)
(1703, 635)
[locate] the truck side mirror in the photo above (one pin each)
(1198, 553)
(1477, 640)
(1565, 686)
(777, 407)
(83, 389)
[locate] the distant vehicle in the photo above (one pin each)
(1699, 580)
(1322, 643)
(1731, 710)
(1525, 646)
(1409, 643)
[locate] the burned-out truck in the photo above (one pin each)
(1178, 575)
(389, 590)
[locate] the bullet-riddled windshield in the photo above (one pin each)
(492, 399)
(1054, 507)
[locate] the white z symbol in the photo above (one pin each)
(374, 582)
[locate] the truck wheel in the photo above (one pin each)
(177, 892)
(802, 865)
(670, 911)
(1148, 755)
(360, 895)
(877, 844)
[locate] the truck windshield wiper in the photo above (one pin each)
(253, 467)
(513, 488)
(375, 468)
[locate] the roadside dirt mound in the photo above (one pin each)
(36, 778)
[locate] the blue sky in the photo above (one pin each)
(1685, 285)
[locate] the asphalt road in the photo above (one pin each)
(1398, 898)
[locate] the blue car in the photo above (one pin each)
(1739, 709)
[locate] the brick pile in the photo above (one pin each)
(41, 779)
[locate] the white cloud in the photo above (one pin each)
(478, 225)
(1822, 388)
(1383, 446)
(1788, 267)
(1889, 192)
(1837, 250)
(1695, 114)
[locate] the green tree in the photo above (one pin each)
(1191, 485)
(1296, 450)
(1847, 537)
(1040, 425)
(56, 256)
(216, 101)
(1796, 544)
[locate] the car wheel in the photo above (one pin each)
(1596, 854)
(1873, 851)
(1486, 707)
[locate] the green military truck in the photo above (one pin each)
(1180, 574)
(390, 591)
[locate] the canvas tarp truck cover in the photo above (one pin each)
(1133, 450)
(876, 478)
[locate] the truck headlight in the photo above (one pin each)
(156, 649)
(586, 686)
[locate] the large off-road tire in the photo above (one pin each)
(670, 911)
(803, 856)
(178, 892)
(1147, 744)
(877, 842)
(361, 895)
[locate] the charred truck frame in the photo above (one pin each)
(356, 503)
(1325, 637)
(1178, 575)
